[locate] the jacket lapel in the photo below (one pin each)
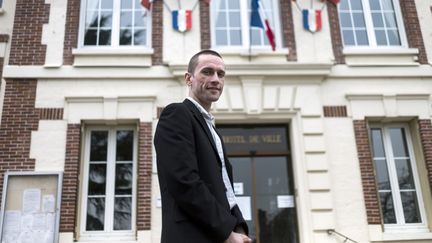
(197, 114)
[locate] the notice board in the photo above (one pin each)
(30, 209)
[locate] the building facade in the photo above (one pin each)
(330, 135)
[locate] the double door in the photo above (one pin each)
(263, 181)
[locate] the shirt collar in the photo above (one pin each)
(206, 115)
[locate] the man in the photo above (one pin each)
(195, 176)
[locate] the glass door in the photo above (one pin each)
(262, 183)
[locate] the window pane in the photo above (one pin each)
(125, 36)
(107, 4)
(233, 4)
(127, 4)
(140, 38)
(235, 37)
(377, 143)
(98, 145)
(105, 19)
(382, 174)
(122, 213)
(381, 37)
(358, 20)
(124, 151)
(393, 36)
(387, 5)
(410, 207)
(221, 20)
(95, 214)
(345, 19)
(97, 179)
(255, 36)
(92, 4)
(90, 37)
(390, 20)
(362, 39)
(123, 183)
(356, 5)
(105, 37)
(404, 173)
(398, 141)
(343, 5)
(387, 208)
(221, 37)
(234, 19)
(140, 20)
(374, 4)
(377, 20)
(126, 19)
(92, 19)
(348, 37)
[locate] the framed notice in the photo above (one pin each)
(30, 209)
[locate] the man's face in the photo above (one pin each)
(207, 81)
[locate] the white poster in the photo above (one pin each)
(244, 204)
(48, 203)
(31, 200)
(26, 222)
(12, 221)
(238, 188)
(285, 201)
(50, 222)
(39, 222)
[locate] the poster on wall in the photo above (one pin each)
(30, 207)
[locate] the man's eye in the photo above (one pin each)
(206, 72)
(221, 74)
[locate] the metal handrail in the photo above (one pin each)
(346, 238)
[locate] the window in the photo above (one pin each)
(397, 178)
(230, 21)
(115, 23)
(371, 23)
(109, 184)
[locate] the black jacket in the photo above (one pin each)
(194, 204)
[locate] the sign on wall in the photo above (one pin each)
(30, 208)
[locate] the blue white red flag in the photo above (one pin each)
(312, 19)
(182, 20)
(259, 19)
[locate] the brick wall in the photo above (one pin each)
(288, 35)
(144, 176)
(425, 129)
(335, 111)
(367, 172)
(19, 119)
(157, 32)
(412, 29)
(205, 25)
(71, 30)
(70, 179)
(335, 33)
(26, 47)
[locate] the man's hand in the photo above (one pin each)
(238, 238)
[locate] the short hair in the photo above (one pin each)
(193, 62)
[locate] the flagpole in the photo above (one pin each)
(250, 42)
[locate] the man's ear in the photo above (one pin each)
(188, 80)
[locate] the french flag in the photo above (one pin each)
(312, 19)
(182, 20)
(259, 19)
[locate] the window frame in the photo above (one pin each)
(110, 186)
(400, 225)
(367, 15)
(245, 28)
(115, 30)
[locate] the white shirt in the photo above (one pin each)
(210, 123)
